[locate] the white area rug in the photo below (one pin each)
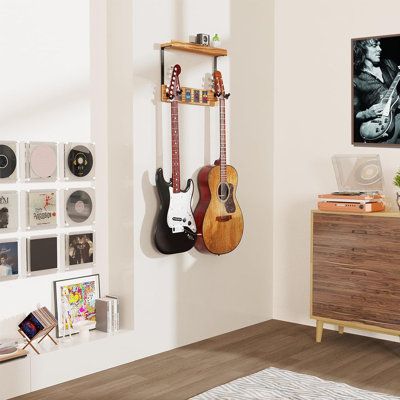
(278, 384)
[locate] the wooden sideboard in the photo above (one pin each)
(355, 264)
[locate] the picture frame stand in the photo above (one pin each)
(43, 333)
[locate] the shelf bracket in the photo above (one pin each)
(215, 63)
(162, 65)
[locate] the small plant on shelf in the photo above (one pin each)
(396, 182)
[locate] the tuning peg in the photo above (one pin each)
(227, 95)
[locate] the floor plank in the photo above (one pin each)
(363, 362)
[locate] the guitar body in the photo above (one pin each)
(202, 205)
(175, 227)
(381, 126)
(222, 225)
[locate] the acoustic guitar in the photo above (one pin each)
(380, 127)
(219, 219)
(175, 227)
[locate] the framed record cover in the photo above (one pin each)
(8, 161)
(79, 206)
(42, 209)
(79, 248)
(79, 161)
(8, 211)
(42, 253)
(8, 259)
(41, 161)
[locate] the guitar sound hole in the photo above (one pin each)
(223, 191)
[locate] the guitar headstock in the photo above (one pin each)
(174, 87)
(219, 89)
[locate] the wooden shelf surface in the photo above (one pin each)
(195, 48)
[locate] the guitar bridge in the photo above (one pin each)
(223, 218)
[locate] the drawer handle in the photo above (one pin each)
(361, 231)
(358, 273)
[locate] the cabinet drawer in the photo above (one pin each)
(336, 225)
(368, 255)
(379, 310)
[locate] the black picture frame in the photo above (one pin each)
(93, 280)
(363, 131)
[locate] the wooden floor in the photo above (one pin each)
(181, 373)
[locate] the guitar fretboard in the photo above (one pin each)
(222, 139)
(392, 88)
(176, 174)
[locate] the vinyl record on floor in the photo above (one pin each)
(43, 161)
(8, 161)
(79, 206)
(80, 161)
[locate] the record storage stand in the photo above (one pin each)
(201, 97)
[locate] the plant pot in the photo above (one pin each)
(398, 199)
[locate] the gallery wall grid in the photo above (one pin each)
(47, 208)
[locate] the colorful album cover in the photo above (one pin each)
(42, 253)
(42, 209)
(8, 259)
(31, 326)
(80, 248)
(8, 211)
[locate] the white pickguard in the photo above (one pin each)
(180, 214)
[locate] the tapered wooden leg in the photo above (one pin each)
(341, 329)
(320, 328)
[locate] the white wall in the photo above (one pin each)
(187, 297)
(313, 122)
(44, 96)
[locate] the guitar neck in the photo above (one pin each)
(176, 174)
(222, 139)
(392, 88)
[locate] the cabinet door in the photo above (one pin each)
(356, 269)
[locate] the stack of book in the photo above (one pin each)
(107, 314)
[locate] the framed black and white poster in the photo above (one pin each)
(375, 98)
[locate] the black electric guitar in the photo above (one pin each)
(381, 126)
(175, 227)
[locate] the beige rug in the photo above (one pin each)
(278, 384)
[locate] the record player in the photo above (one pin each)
(360, 183)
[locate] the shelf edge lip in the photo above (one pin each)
(184, 46)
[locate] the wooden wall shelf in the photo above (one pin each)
(195, 48)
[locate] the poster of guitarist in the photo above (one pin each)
(376, 76)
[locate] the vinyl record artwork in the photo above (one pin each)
(75, 301)
(8, 259)
(30, 326)
(80, 161)
(8, 160)
(42, 253)
(8, 211)
(80, 248)
(42, 209)
(79, 207)
(42, 161)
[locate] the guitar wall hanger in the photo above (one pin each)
(193, 96)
